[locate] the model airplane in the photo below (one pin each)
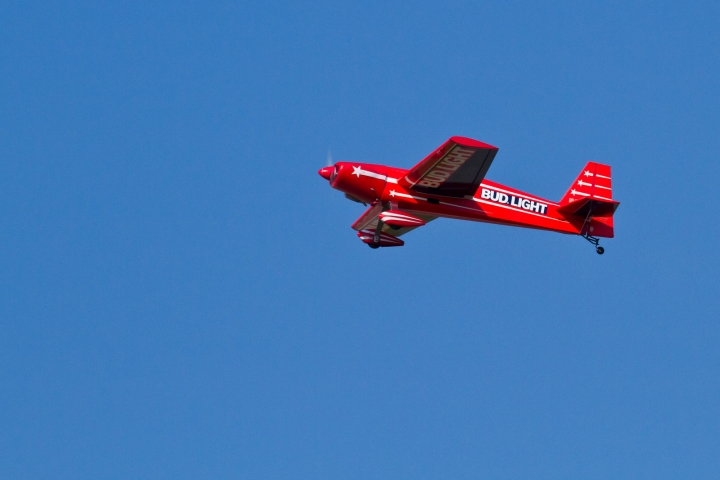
(450, 183)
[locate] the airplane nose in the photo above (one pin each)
(325, 172)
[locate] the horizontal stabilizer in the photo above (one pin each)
(596, 208)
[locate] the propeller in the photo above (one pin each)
(329, 172)
(326, 172)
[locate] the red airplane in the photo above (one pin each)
(450, 183)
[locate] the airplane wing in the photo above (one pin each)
(455, 169)
(394, 224)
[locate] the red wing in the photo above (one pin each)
(369, 221)
(368, 217)
(455, 169)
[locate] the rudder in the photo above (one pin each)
(590, 198)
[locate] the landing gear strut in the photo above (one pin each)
(595, 241)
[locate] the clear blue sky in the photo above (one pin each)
(181, 295)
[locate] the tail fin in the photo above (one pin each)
(594, 182)
(590, 197)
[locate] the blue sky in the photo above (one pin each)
(181, 295)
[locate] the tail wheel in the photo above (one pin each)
(373, 245)
(600, 250)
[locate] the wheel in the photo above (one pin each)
(600, 250)
(373, 245)
(395, 227)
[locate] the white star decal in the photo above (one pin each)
(392, 193)
(587, 173)
(581, 183)
(573, 192)
(357, 171)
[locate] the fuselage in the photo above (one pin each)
(492, 202)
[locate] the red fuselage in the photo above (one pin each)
(492, 202)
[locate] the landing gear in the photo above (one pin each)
(373, 245)
(595, 241)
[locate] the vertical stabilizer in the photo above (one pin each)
(593, 183)
(590, 198)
